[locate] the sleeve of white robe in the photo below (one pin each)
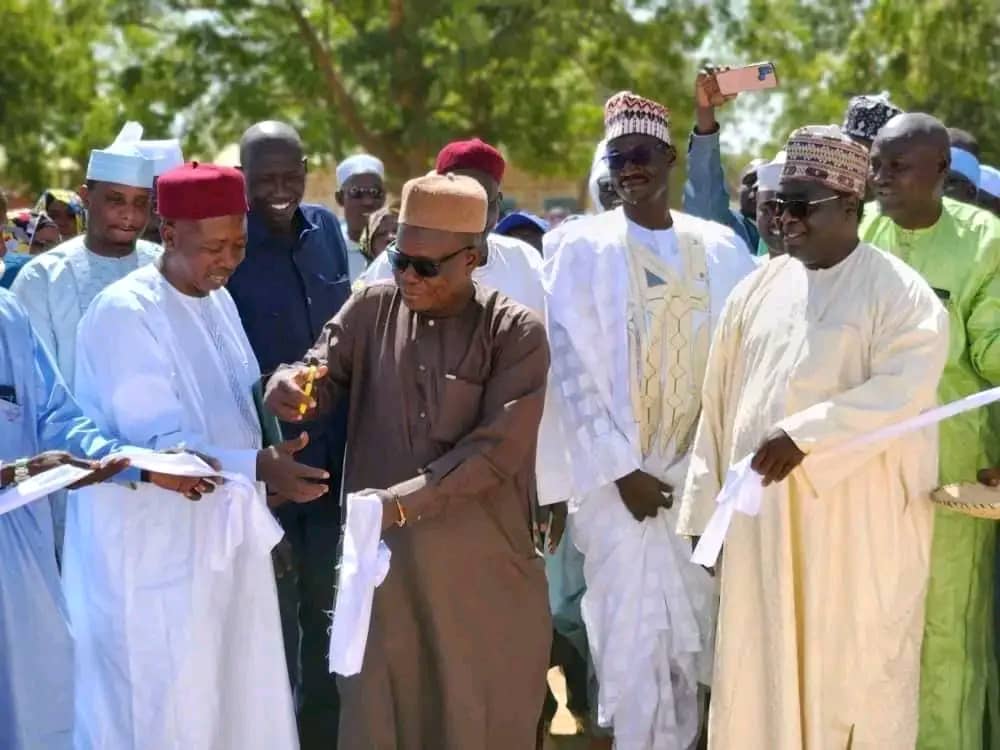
(709, 459)
(31, 287)
(909, 347)
(123, 377)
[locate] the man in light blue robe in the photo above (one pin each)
(57, 287)
(38, 414)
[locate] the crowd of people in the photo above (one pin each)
(546, 414)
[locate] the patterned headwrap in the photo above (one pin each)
(369, 230)
(866, 115)
(626, 113)
(68, 197)
(824, 154)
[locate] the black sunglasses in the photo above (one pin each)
(357, 191)
(425, 268)
(798, 209)
(640, 156)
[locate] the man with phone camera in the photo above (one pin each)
(705, 192)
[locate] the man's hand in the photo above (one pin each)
(286, 393)
(706, 98)
(101, 472)
(552, 519)
(287, 478)
(390, 511)
(989, 477)
(193, 488)
(644, 494)
(776, 457)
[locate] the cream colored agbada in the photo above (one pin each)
(823, 593)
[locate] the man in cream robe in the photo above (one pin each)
(173, 604)
(632, 295)
(821, 613)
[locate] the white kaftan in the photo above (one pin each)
(630, 313)
(823, 593)
(56, 288)
(173, 650)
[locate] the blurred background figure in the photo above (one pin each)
(379, 232)
(526, 227)
(65, 208)
(361, 192)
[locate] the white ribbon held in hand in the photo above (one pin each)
(743, 491)
(363, 567)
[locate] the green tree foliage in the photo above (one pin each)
(394, 77)
(50, 103)
(937, 56)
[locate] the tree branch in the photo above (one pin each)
(335, 91)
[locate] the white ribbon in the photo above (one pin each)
(239, 512)
(363, 566)
(742, 491)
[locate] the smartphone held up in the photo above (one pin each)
(756, 77)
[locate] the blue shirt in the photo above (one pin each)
(705, 194)
(13, 263)
(37, 413)
(286, 290)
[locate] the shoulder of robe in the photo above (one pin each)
(975, 223)
(507, 317)
(148, 251)
(123, 302)
(516, 250)
(894, 280)
(721, 242)
(320, 215)
(12, 312)
(590, 235)
(46, 267)
(367, 299)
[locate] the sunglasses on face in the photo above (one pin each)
(423, 267)
(356, 192)
(798, 209)
(640, 156)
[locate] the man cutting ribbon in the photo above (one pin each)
(823, 591)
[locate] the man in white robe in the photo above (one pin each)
(57, 287)
(632, 295)
(823, 592)
(173, 603)
(508, 265)
(39, 422)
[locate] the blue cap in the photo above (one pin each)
(965, 164)
(521, 219)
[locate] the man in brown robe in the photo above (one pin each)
(446, 381)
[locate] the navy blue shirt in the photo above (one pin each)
(286, 289)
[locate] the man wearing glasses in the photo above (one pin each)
(632, 295)
(293, 280)
(361, 193)
(446, 381)
(821, 615)
(505, 263)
